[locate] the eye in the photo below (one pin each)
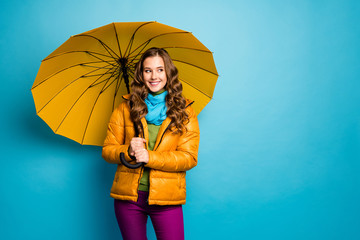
(147, 70)
(160, 70)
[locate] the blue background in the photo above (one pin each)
(280, 142)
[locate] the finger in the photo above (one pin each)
(139, 158)
(142, 156)
(138, 148)
(139, 153)
(140, 144)
(141, 150)
(138, 141)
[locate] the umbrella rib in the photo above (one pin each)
(76, 102)
(150, 39)
(74, 51)
(76, 65)
(131, 74)
(63, 90)
(117, 40)
(91, 54)
(103, 60)
(92, 110)
(191, 85)
(118, 83)
(131, 60)
(195, 49)
(107, 48)
(84, 65)
(176, 60)
(107, 85)
(118, 87)
(100, 74)
(143, 45)
(128, 48)
(139, 53)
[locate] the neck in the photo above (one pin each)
(158, 92)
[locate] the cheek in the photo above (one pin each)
(165, 77)
(164, 82)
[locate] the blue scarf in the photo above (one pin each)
(156, 106)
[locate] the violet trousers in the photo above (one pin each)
(132, 218)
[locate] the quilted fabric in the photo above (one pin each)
(173, 155)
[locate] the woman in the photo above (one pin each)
(167, 144)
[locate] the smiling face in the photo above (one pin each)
(154, 73)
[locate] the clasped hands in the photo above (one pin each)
(137, 149)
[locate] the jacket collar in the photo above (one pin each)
(188, 101)
(164, 125)
(126, 97)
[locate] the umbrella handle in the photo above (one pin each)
(127, 164)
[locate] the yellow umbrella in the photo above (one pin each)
(81, 82)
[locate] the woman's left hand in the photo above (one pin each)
(142, 155)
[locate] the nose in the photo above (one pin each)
(153, 75)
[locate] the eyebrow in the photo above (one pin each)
(156, 67)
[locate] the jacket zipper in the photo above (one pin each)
(142, 127)
(142, 167)
(162, 137)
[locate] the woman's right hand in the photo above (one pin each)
(136, 144)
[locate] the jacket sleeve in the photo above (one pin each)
(185, 156)
(114, 142)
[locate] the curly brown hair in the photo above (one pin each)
(175, 102)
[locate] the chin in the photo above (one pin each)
(154, 90)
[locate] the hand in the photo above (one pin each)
(136, 143)
(142, 155)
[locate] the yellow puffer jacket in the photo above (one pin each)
(172, 156)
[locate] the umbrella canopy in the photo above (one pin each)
(81, 82)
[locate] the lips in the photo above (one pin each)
(154, 83)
